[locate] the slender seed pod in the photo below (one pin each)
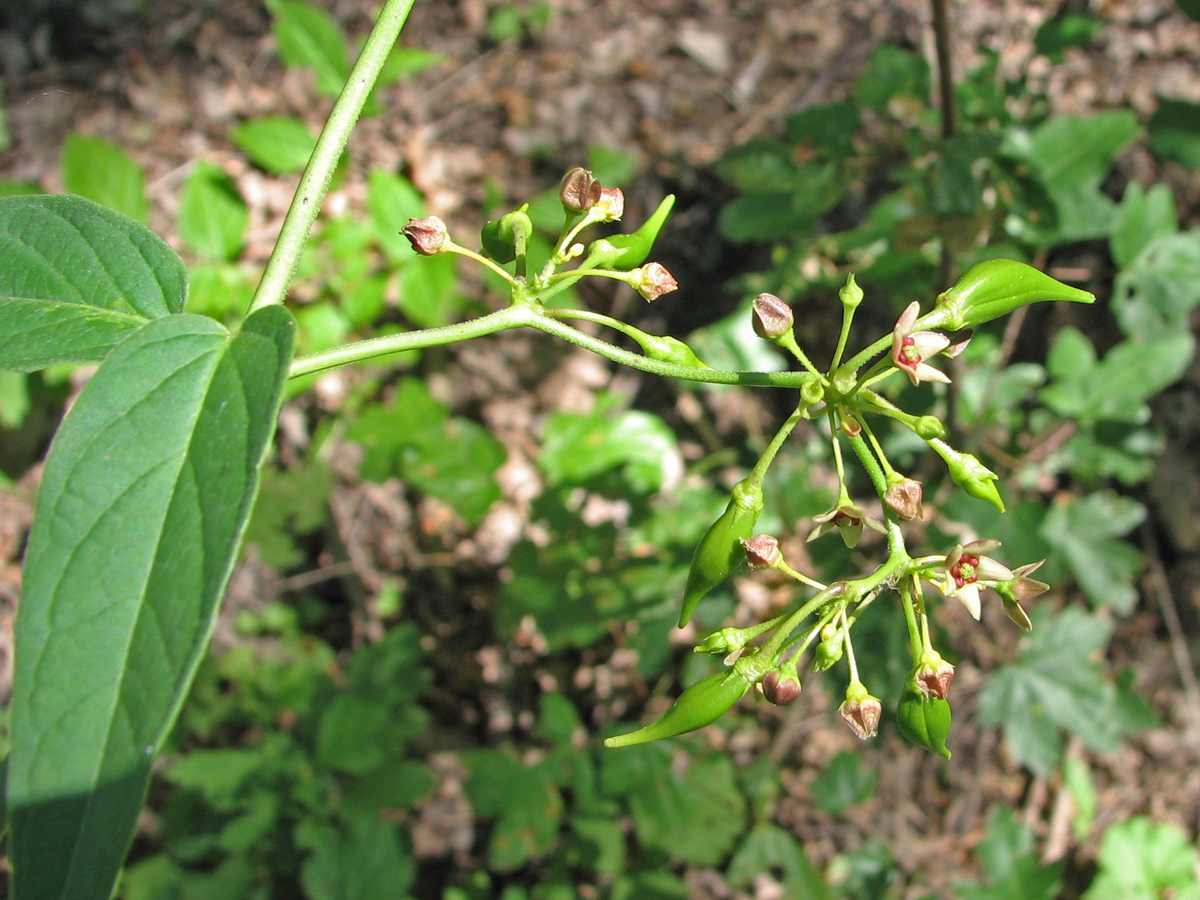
(924, 720)
(720, 550)
(700, 705)
(628, 251)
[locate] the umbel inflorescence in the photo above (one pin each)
(766, 657)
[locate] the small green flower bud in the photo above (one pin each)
(828, 652)
(722, 643)
(720, 550)
(929, 428)
(997, 287)
(851, 294)
(700, 705)
(669, 349)
(970, 474)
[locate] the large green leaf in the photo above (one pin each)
(146, 492)
(309, 36)
(76, 278)
(212, 214)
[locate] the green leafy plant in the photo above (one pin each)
(149, 487)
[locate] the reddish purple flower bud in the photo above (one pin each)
(781, 686)
(861, 711)
(904, 497)
(772, 317)
(427, 235)
(580, 190)
(653, 280)
(762, 551)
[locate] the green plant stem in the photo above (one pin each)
(526, 315)
(759, 472)
(586, 315)
(451, 247)
(910, 618)
(314, 183)
(511, 317)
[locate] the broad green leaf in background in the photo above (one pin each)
(1175, 131)
(577, 447)
(369, 860)
(1085, 531)
(844, 783)
(76, 278)
(101, 171)
(221, 291)
(212, 214)
(145, 495)
(1142, 217)
(1010, 860)
(1056, 682)
(308, 36)
(1154, 296)
(525, 802)
(279, 144)
(428, 290)
(693, 817)
(1144, 860)
(1072, 154)
(770, 849)
(392, 201)
(892, 72)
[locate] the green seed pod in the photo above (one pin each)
(720, 550)
(997, 287)
(924, 720)
(700, 705)
(970, 474)
(499, 237)
(628, 251)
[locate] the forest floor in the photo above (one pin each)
(673, 85)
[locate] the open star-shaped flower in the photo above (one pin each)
(911, 348)
(968, 569)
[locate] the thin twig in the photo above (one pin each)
(1170, 614)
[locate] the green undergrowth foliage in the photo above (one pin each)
(453, 747)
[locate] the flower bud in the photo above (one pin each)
(427, 236)
(995, 288)
(861, 711)
(929, 428)
(781, 685)
(762, 551)
(828, 652)
(970, 474)
(904, 497)
(579, 191)
(851, 294)
(668, 349)
(772, 317)
(653, 280)
(722, 643)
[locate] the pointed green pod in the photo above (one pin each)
(628, 251)
(924, 720)
(995, 288)
(670, 350)
(720, 550)
(700, 705)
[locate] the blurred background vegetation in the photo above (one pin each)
(465, 565)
